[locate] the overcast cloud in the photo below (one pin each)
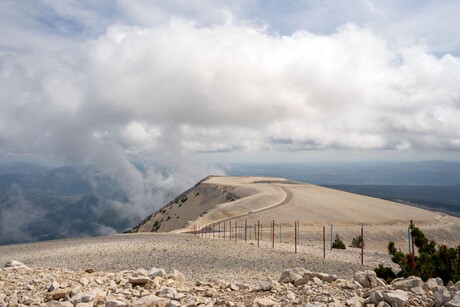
(82, 82)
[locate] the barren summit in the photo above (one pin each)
(247, 200)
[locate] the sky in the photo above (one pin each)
(192, 82)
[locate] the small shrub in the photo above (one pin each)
(432, 261)
(385, 273)
(156, 225)
(338, 243)
(357, 242)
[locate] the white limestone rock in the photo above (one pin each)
(454, 302)
(178, 276)
(433, 284)
(59, 304)
(140, 280)
(289, 276)
(376, 297)
(154, 272)
(398, 298)
(167, 292)
(266, 285)
(367, 279)
(13, 264)
(151, 301)
(442, 296)
(408, 283)
(264, 302)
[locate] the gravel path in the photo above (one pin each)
(197, 258)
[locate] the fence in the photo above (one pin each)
(296, 234)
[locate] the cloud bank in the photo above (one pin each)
(181, 88)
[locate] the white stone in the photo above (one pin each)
(301, 281)
(397, 297)
(264, 302)
(151, 301)
(355, 301)
(442, 296)
(266, 285)
(367, 279)
(317, 281)
(326, 277)
(454, 302)
(84, 281)
(82, 297)
(113, 302)
(233, 287)
(408, 283)
(178, 276)
(289, 276)
(173, 304)
(167, 292)
(376, 297)
(433, 284)
(157, 272)
(13, 264)
(141, 280)
(59, 304)
(290, 296)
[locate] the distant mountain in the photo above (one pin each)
(39, 203)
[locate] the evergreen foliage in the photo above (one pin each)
(432, 261)
(357, 242)
(338, 243)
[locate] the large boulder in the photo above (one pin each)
(367, 279)
(433, 284)
(408, 283)
(442, 296)
(396, 298)
(376, 297)
(454, 302)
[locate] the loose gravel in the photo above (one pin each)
(197, 258)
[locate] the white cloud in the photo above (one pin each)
(180, 87)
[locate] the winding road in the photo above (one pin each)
(284, 202)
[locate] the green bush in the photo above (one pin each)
(432, 261)
(338, 243)
(357, 242)
(385, 273)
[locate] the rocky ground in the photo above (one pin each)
(197, 258)
(181, 270)
(21, 285)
